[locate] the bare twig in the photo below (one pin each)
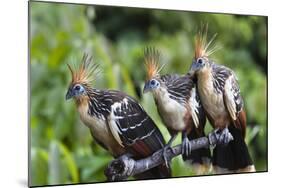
(125, 166)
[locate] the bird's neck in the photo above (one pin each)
(205, 85)
(205, 79)
(82, 100)
(91, 103)
(160, 93)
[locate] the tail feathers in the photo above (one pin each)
(155, 173)
(146, 147)
(199, 156)
(235, 156)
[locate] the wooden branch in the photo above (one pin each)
(125, 166)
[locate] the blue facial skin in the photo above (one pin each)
(196, 65)
(151, 85)
(75, 91)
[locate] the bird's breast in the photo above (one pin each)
(100, 131)
(212, 101)
(172, 112)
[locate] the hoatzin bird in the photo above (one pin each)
(223, 104)
(179, 107)
(117, 121)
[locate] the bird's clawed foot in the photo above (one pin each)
(223, 136)
(166, 155)
(186, 147)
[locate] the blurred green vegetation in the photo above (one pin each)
(62, 150)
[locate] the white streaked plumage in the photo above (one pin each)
(229, 98)
(137, 125)
(114, 128)
(112, 119)
(194, 105)
(144, 137)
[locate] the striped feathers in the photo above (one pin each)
(225, 82)
(125, 118)
(177, 100)
(178, 87)
(220, 95)
(220, 74)
(99, 129)
(194, 104)
(184, 91)
(234, 104)
(128, 120)
(120, 125)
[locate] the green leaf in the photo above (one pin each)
(39, 167)
(70, 163)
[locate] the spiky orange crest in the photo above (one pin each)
(85, 72)
(151, 62)
(202, 46)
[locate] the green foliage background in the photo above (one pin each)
(62, 150)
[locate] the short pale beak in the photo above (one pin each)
(193, 68)
(68, 95)
(146, 87)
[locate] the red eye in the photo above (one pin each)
(77, 88)
(200, 61)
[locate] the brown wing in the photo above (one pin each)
(134, 129)
(234, 104)
(240, 122)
